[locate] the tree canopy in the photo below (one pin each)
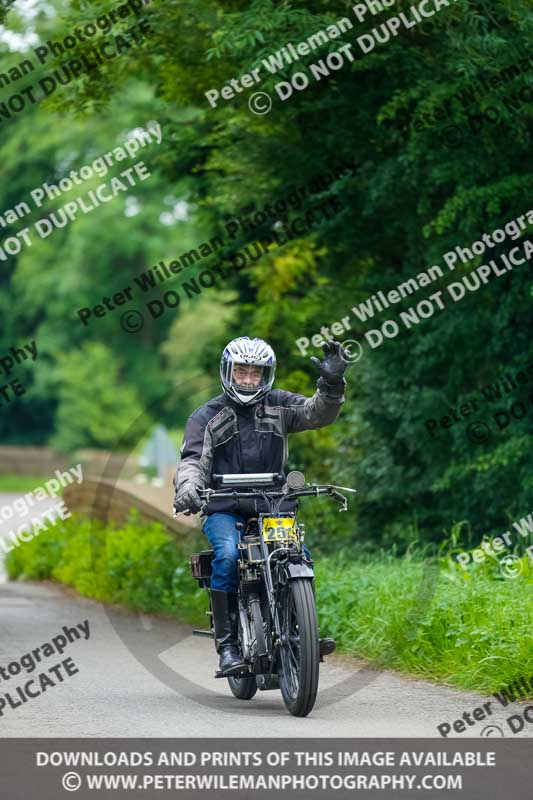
(436, 125)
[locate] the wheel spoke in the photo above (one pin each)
(290, 652)
(294, 663)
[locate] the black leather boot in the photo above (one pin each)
(225, 623)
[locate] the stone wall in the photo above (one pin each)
(44, 461)
(112, 500)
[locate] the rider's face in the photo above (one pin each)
(247, 375)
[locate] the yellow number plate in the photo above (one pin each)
(279, 529)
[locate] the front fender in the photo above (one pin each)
(293, 571)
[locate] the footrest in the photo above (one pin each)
(327, 646)
(239, 672)
(203, 633)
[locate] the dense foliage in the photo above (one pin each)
(137, 565)
(411, 198)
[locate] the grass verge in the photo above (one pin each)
(417, 616)
(21, 483)
(423, 618)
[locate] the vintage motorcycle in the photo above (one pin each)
(278, 629)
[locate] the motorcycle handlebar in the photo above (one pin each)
(310, 491)
(290, 493)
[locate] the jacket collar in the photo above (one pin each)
(243, 411)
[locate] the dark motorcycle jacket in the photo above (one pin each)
(223, 436)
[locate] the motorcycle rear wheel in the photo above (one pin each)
(243, 688)
(299, 653)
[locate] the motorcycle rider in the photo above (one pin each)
(244, 430)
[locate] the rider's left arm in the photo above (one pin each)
(308, 413)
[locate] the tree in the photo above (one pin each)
(97, 405)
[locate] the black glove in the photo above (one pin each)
(333, 366)
(188, 498)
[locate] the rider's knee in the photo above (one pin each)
(227, 565)
(228, 553)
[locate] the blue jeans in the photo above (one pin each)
(223, 535)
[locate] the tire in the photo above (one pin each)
(299, 654)
(243, 688)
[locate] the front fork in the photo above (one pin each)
(256, 614)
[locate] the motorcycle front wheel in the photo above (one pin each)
(299, 652)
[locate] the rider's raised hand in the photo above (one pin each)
(333, 365)
(188, 498)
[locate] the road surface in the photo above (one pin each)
(147, 676)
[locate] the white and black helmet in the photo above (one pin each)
(253, 352)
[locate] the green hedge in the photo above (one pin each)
(429, 619)
(419, 616)
(136, 565)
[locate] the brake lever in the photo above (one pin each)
(185, 511)
(333, 486)
(342, 498)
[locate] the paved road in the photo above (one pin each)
(147, 676)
